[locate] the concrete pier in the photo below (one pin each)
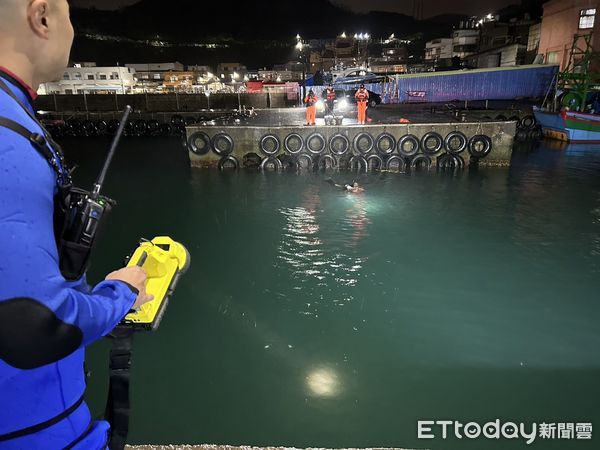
(209, 145)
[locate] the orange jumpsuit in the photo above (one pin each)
(362, 98)
(311, 109)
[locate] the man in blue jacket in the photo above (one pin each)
(45, 321)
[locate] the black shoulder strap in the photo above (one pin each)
(37, 140)
(41, 143)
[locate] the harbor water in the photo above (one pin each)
(313, 317)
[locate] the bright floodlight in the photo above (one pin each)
(298, 37)
(343, 34)
(299, 45)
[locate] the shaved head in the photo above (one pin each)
(35, 38)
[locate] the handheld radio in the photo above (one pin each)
(84, 216)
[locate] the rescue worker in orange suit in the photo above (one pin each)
(362, 99)
(311, 108)
(330, 98)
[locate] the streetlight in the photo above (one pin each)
(301, 57)
(343, 35)
(207, 93)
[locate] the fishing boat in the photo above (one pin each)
(572, 114)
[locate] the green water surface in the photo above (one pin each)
(313, 317)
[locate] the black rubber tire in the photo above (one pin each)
(385, 144)
(129, 129)
(251, 161)
(89, 128)
(480, 146)
(322, 161)
(528, 122)
(113, 125)
(228, 160)
(179, 130)
(371, 159)
(359, 161)
(199, 143)
(345, 144)
(404, 141)
(269, 144)
(166, 129)
(515, 119)
(451, 138)
(501, 117)
(289, 163)
(322, 143)
(521, 135)
(438, 143)
(535, 134)
(391, 162)
(153, 127)
(305, 161)
(417, 162)
(372, 103)
(359, 138)
(449, 161)
(190, 120)
(101, 127)
(290, 140)
(177, 119)
(219, 139)
(140, 127)
(264, 165)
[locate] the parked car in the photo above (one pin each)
(345, 102)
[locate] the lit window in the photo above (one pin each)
(586, 18)
(552, 58)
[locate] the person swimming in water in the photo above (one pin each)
(354, 187)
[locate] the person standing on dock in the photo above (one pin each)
(362, 98)
(311, 108)
(330, 98)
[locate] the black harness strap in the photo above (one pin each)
(41, 426)
(57, 162)
(38, 141)
(117, 404)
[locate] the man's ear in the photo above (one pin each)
(37, 17)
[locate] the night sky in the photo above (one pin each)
(430, 7)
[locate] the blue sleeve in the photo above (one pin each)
(28, 255)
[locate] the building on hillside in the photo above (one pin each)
(92, 80)
(562, 20)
